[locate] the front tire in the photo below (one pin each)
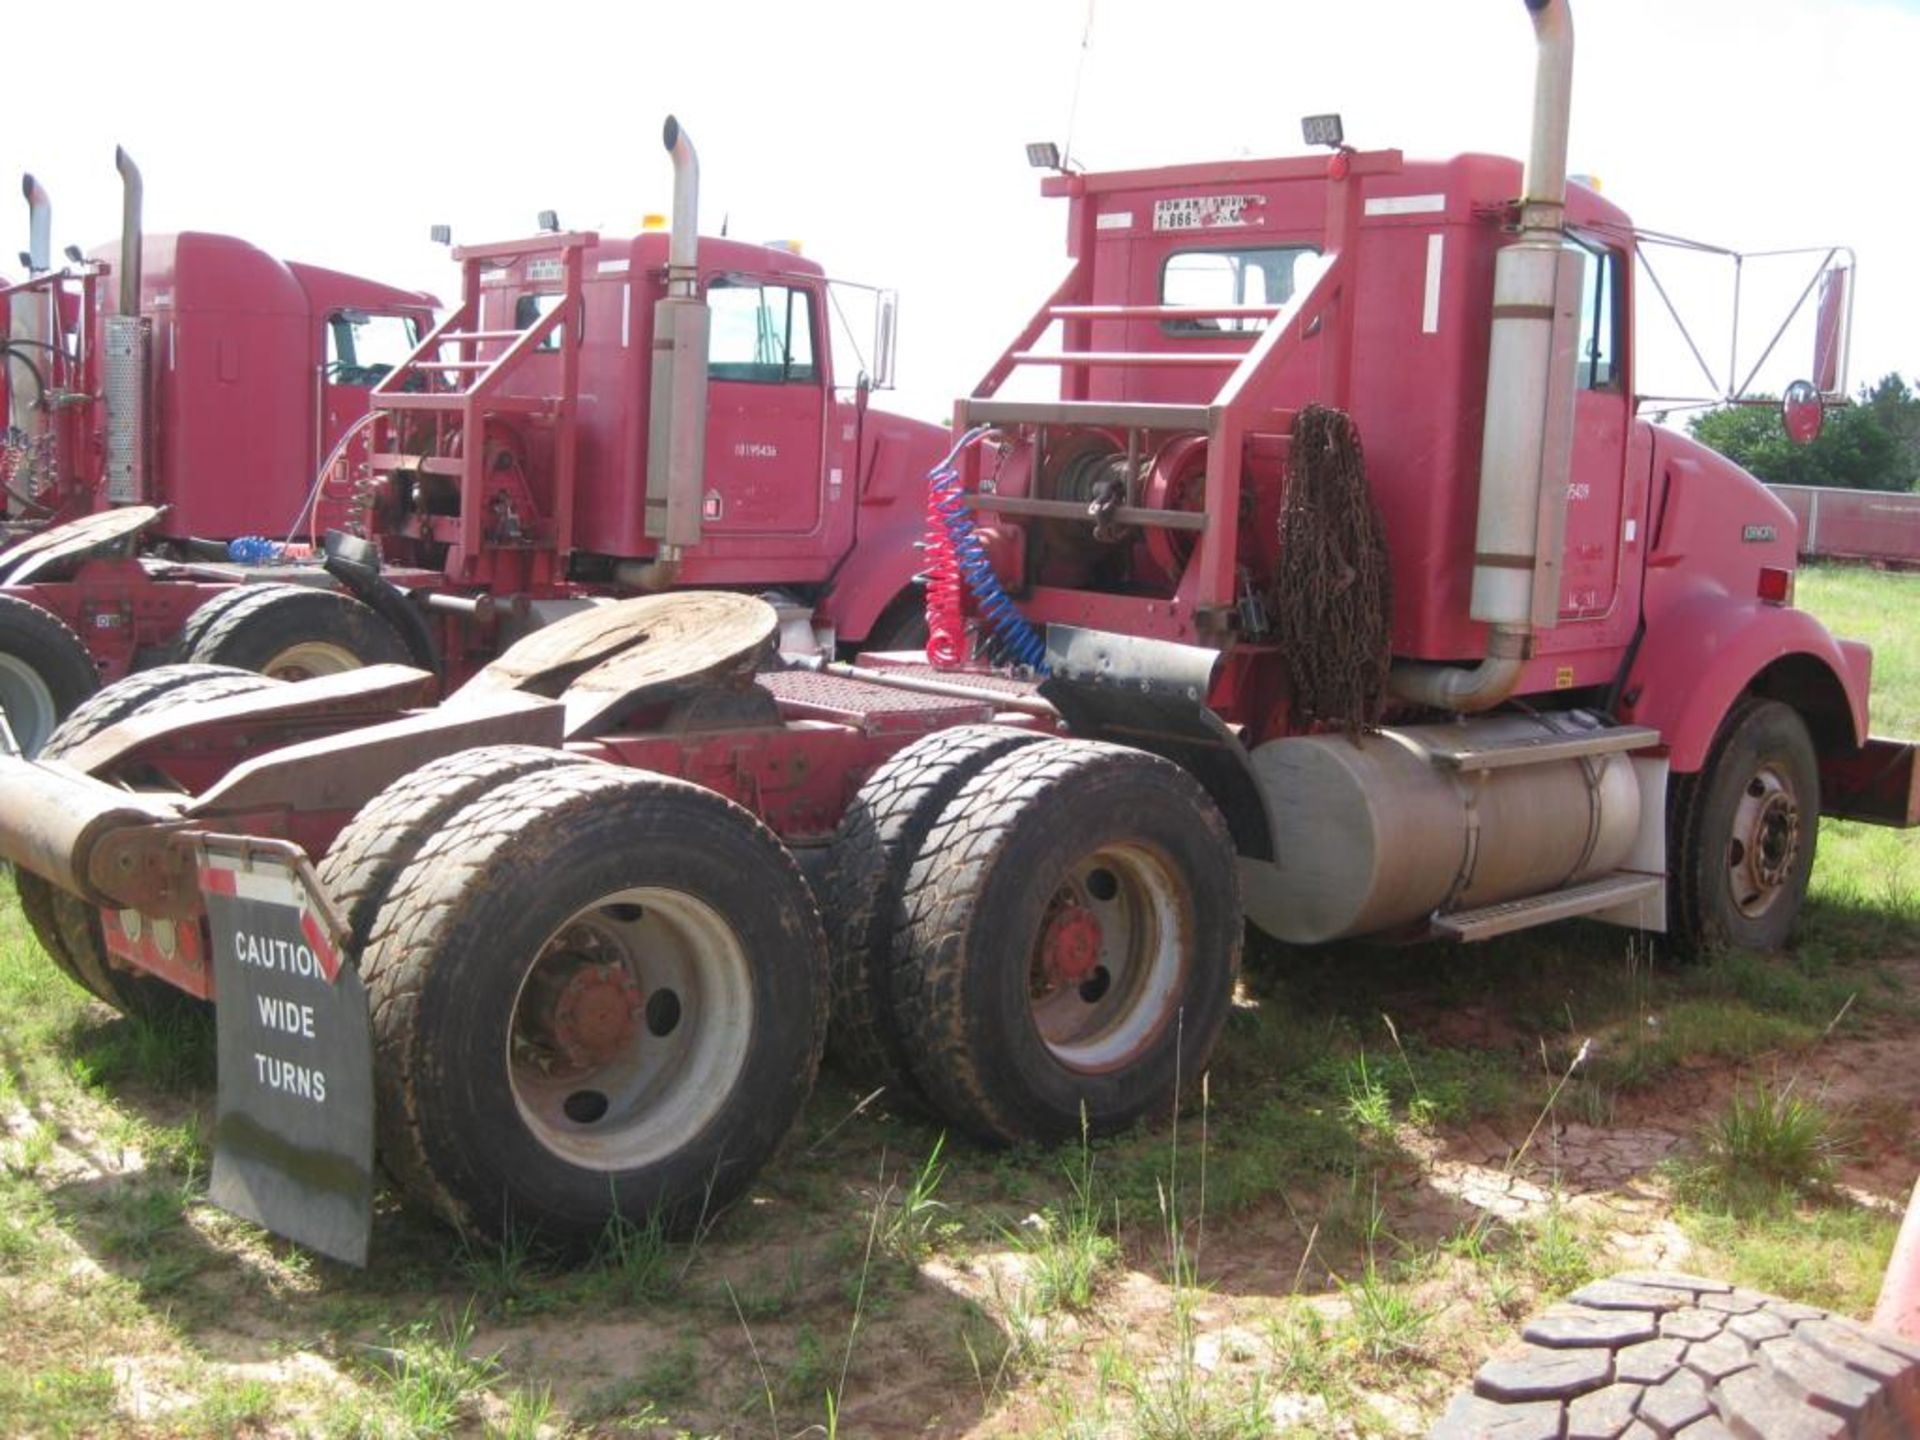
(594, 993)
(1742, 832)
(1073, 935)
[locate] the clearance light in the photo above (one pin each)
(1776, 585)
(786, 247)
(651, 223)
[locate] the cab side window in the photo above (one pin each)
(362, 347)
(1599, 354)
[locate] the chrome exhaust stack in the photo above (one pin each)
(39, 253)
(1526, 452)
(677, 417)
(132, 193)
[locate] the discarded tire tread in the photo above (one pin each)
(1731, 1362)
(866, 875)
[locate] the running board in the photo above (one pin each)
(1617, 891)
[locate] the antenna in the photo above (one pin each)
(1079, 72)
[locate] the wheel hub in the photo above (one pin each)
(1766, 842)
(1069, 947)
(596, 1014)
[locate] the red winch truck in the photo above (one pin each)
(545, 947)
(496, 463)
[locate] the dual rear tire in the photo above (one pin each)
(594, 992)
(1047, 937)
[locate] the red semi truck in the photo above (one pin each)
(1522, 657)
(497, 462)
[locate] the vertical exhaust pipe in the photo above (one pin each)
(39, 226)
(677, 417)
(1526, 451)
(132, 193)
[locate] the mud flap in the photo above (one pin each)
(293, 1135)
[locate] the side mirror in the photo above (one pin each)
(885, 322)
(1802, 412)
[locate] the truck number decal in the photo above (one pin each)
(1204, 212)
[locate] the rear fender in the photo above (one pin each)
(1705, 651)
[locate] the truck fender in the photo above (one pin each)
(876, 573)
(1704, 651)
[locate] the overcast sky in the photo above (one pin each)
(887, 135)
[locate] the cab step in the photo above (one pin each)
(1469, 753)
(1619, 889)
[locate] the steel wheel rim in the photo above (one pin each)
(633, 1101)
(1764, 849)
(1101, 1019)
(28, 703)
(309, 658)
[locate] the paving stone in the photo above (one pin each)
(1692, 1324)
(1613, 1295)
(1567, 1326)
(1681, 1401)
(1537, 1373)
(1640, 1430)
(1707, 1429)
(1714, 1360)
(1602, 1414)
(1471, 1418)
(1649, 1364)
(1793, 1312)
(1734, 1304)
(1756, 1407)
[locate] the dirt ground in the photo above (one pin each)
(785, 1302)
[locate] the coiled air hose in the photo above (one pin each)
(957, 558)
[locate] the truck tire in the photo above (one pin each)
(1742, 832)
(1655, 1353)
(382, 840)
(1072, 936)
(864, 876)
(45, 671)
(292, 633)
(209, 611)
(594, 992)
(67, 927)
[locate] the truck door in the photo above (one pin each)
(362, 346)
(766, 408)
(1596, 491)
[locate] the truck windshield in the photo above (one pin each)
(1211, 279)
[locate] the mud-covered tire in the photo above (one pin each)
(45, 672)
(585, 876)
(68, 928)
(1656, 1353)
(393, 827)
(1741, 833)
(1072, 935)
(864, 876)
(293, 632)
